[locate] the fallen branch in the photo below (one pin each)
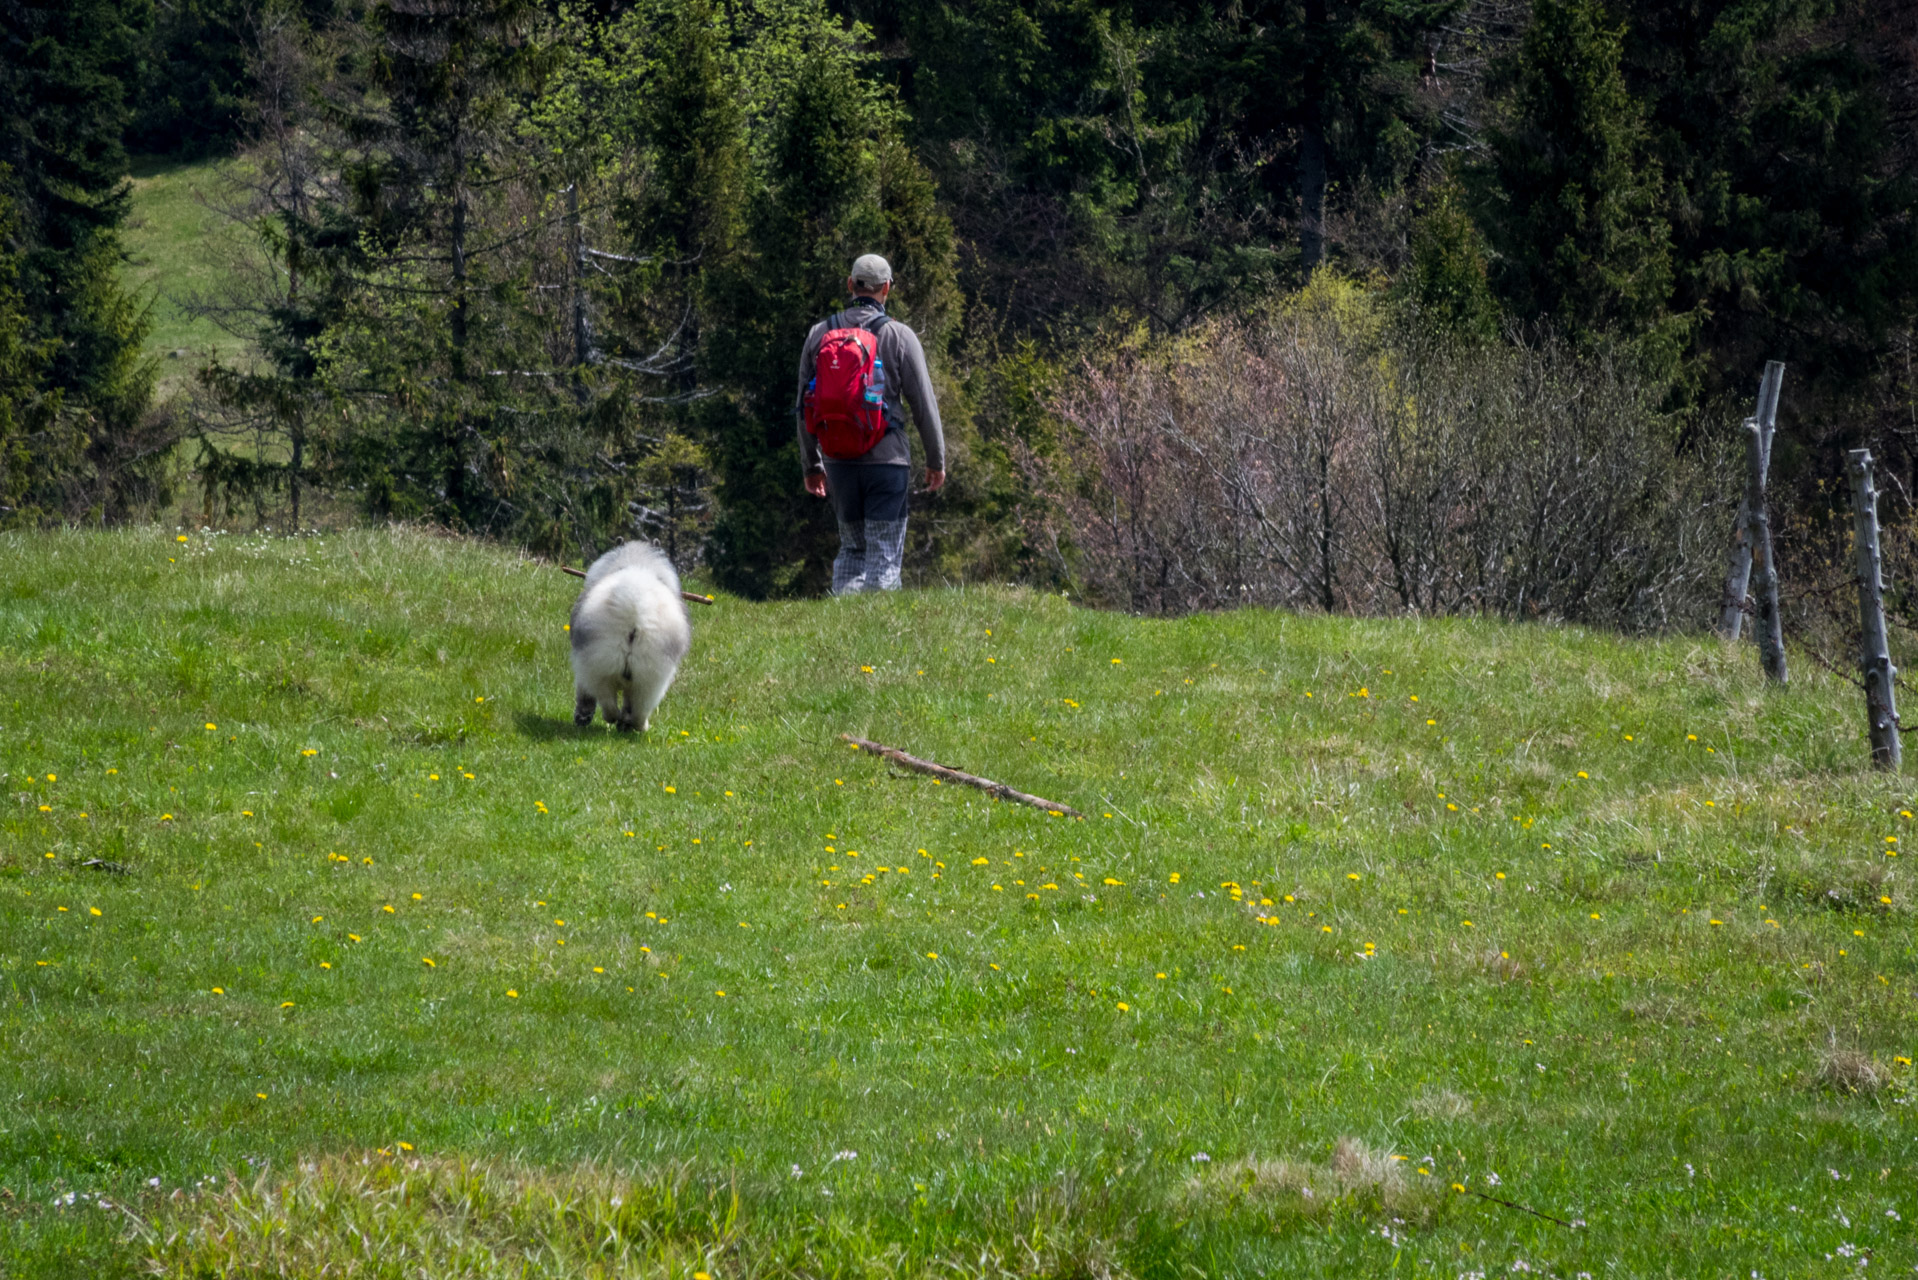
(1513, 1204)
(694, 596)
(999, 790)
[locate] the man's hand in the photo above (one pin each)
(816, 483)
(934, 480)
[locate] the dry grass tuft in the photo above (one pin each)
(1443, 1104)
(1850, 1070)
(1356, 1170)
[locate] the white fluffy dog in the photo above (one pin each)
(629, 632)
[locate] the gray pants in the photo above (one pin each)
(870, 501)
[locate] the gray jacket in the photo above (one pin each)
(905, 362)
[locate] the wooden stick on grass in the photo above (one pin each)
(694, 596)
(997, 789)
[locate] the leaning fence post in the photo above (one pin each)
(1881, 708)
(1771, 627)
(1731, 618)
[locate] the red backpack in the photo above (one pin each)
(845, 403)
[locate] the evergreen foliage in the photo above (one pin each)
(540, 269)
(63, 167)
(1574, 206)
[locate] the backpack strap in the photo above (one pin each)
(837, 320)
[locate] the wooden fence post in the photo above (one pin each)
(1881, 708)
(1731, 617)
(1771, 627)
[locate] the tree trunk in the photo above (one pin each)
(1771, 627)
(1731, 618)
(1312, 179)
(1881, 707)
(576, 249)
(293, 471)
(454, 454)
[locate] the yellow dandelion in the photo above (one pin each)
(219, 991)
(428, 962)
(286, 1004)
(1124, 1007)
(210, 726)
(511, 994)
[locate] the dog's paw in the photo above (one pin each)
(624, 724)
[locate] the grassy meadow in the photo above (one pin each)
(180, 246)
(330, 947)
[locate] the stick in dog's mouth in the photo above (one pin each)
(694, 596)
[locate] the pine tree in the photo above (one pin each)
(1447, 277)
(32, 445)
(442, 328)
(1574, 205)
(62, 114)
(258, 421)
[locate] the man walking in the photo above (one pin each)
(856, 367)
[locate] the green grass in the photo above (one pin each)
(180, 246)
(1678, 1017)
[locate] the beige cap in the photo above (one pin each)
(871, 269)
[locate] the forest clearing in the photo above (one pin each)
(1443, 946)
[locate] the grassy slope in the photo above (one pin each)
(1595, 1037)
(178, 248)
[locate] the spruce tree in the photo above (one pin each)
(441, 335)
(63, 166)
(1573, 205)
(32, 446)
